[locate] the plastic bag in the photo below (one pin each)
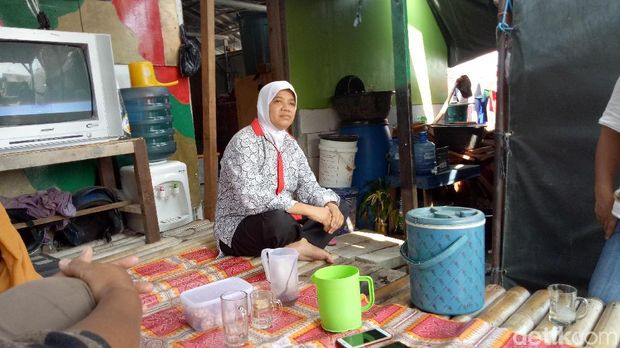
(189, 54)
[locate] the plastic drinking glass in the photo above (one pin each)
(564, 304)
(265, 308)
(235, 317)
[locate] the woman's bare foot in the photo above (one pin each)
(309, 252)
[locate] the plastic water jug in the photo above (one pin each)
(280, 267)
(424, 155)
(150, 117)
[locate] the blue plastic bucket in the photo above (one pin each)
(445, 253)
(372, 146)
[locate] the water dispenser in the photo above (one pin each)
(171, 191)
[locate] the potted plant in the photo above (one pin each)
(379, 205)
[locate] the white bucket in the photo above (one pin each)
(337, 160)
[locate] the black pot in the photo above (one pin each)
(458, 138)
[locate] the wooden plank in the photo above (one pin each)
(207, 33)
(105, 170)
(278, 49)
(179, 248)
(129, 245)
(132, 209)
(306, 269)
(196, 229)
(44, 157)
(384, 277)
(365, 247)
(390, 279)
(346, 240)
(402, 83)
(501, 127)
(76, 250)
(388, 257)
(169, 19)
(81, 212)
(378, 237)
(144, 185)
(141, 250)
(395, 292)
(136, 239)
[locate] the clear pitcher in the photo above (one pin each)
(281, 271)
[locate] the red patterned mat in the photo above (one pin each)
(163, 324)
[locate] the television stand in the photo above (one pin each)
(103, 153)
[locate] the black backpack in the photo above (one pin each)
(31, 235)
(89, 227)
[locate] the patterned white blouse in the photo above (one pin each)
(249, 180)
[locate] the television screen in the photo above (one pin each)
(43, 83)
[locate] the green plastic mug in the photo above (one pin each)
(338, 292)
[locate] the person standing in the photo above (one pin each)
(605, 281)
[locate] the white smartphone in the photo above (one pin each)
(363, 339)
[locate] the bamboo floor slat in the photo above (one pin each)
(375, 255)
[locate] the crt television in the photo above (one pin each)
(56, 88)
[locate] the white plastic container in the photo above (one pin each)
(337, 160)
(201, 305)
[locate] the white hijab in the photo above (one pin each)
(265, 96)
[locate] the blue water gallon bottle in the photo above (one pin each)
(424, 155)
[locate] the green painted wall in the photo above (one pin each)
(324, 46)
(435, 54)
(15, 13)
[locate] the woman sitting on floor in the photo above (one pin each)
(265, 180)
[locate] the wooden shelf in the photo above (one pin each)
(47, 156)
(103, 153)
(82, 212)
(132, 209)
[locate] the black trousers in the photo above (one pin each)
(277, 229)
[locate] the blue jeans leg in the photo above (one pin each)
(605, 281)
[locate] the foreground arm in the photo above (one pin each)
(118, 312)
(607, 166)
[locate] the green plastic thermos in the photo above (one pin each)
(338, 293)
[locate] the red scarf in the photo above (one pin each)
(259, 132)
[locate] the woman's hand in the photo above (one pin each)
(337, 219)
(329, 216)
(323, 216)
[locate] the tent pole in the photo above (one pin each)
(501, 127)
